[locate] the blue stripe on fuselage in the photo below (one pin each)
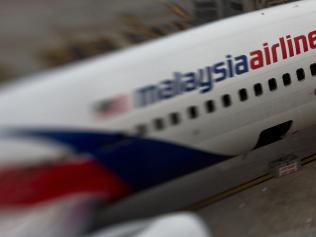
(141, 162)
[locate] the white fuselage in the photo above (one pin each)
(67, 98)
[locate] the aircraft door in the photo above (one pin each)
(273, 134)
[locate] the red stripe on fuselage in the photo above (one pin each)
(31, 185)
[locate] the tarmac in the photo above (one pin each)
(284, 206)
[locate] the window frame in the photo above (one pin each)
(272, 84)
(159, 124)
(258, 89)
(298, 73)
(210, 106)
(226, 100)
(312, 68)
(174, 118)
(286, 79)
(192, 112)
(243, 94)
(141, 129)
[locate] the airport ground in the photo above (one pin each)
(278, 207)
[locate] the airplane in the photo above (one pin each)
(158, 111)
(176, 224)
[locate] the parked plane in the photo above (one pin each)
(170, 107)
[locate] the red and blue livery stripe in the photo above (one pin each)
(139, 162)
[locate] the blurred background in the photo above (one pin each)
(37, 35)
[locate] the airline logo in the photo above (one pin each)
(204, 79)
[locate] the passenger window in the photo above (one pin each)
(210, 106)
(243, 95)
(174, 118)
(258, 89)
(226, 100)
(141, 130)
(159, 124)
(272, 84)
(192, 112)
(300, 74)
(313, 69)
(286, 79)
